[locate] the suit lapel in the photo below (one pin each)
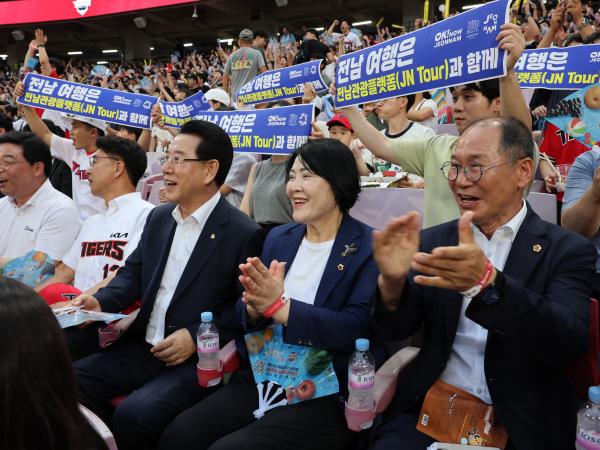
(340, 258)
(212, 233)
(527, 249)
(287, 253)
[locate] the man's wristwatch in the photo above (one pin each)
(494, 291)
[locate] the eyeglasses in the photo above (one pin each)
(176, 161)
(5, 163)
(473, 172)
(94, 159)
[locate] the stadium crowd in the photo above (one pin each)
(496, 298)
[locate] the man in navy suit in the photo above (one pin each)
(186, 263)
(503, 297)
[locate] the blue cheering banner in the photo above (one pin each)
(274, 131)
(282, 83)
(461, 49)
(559, 68)
(176, 114)
(123, 108)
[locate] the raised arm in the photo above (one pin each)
(41, 40)
(38, 127)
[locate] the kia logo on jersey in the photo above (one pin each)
(81, 174)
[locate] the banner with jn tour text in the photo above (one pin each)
(559, 68)
(458, 50)
(279, 84)
(274, 131)
(122, 108)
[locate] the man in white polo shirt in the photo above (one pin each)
(33, 215)
(75, 152)
(107, 238)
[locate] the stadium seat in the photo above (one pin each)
(154, 190)
(100, 427)
(146, 185)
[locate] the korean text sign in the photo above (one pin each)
(123, 108)
(178, 113)
(275, 131)
(458, 50)
(559, 68)
(282, 83)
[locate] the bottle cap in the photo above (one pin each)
(362, 345)
(594, 394)
(206, 316)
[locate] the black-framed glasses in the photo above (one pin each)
(473, 172)
(94, 159)
(176, 160)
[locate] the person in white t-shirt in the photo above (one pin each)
(351, 40)
(33, 215)
(107, 238)
(394, 112)
(424, 111)
(75, 152)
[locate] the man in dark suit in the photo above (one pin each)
(186, 263)
(503, 297)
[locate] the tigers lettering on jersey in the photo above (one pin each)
(112, 249)
(81, 174)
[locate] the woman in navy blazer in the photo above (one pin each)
(315, 277)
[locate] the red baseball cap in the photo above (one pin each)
(58, 292)
(340, 119)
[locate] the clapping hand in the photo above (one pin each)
(393, 250)
(262, 286)
(458, 268)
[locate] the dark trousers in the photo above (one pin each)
(83, 341)
(224, 421)
(155, 393)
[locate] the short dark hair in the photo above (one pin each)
(573, 37)
(133, 130)
(515, 140)
(34, 149)
(490, 89)
(214, 144)
(410, 100)
(261, 34)
(129, 152)
(37, 368)
(592, 37)
(54, 129)
(6, 122)
(334, 162)
(312, 31)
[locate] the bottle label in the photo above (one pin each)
(588, 440)
(208, 345)
(361, 380)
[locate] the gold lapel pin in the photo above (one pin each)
(340, 267)
(212, 236)
(537, 248)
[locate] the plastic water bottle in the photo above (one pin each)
(361, 378)
(588, 422)
(208, 343)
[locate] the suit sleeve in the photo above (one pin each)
(126, 287)
(552, 327)
(335, 330)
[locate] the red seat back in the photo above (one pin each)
(585, 372)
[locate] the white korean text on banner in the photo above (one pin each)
(122, 108)
(175, 114)
(568, 68)
(461, 49)
(282, 83)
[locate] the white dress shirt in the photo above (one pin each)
(186, 235)
(48, 222)
(465, 368)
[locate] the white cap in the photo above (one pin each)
(97, 123)
(218, 95)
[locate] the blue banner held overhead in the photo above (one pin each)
(274, 131)
(282, 83)
(461, 49)
(559, 68)
(178, 113)
(123, 108)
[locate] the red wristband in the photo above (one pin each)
(276, 306)
(483, 281)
